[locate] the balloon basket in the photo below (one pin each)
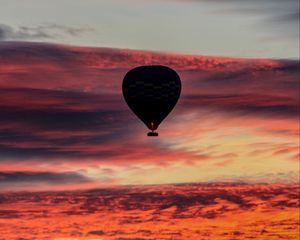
(152, 134)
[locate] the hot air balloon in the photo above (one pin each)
(151, 92)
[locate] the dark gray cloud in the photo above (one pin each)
(53, 131)
(45, 177)
(50, 31)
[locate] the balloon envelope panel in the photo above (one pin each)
(151, 92)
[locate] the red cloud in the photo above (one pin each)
(65, 103)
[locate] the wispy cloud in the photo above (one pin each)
(274, 10)
(281, 18)
(41, 32)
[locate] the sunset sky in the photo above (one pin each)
(65, 125)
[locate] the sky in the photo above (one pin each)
(64, 123)
(259, 28)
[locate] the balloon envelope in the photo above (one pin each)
(151, 92)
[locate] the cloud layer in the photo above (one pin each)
(182, 211)
(63, 105)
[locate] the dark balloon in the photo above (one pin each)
(151, 92)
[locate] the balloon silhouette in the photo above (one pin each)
(151, 92)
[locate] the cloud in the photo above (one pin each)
(63, 105)
(49, 177)
(252, 104)
(53, 123)
(49, 31)
(77, 105)
(224, 163)
(150, 212)
(48, 181)
(276, 10)
(8, 33)
(281, 17)
(291, 177)
(16, 181)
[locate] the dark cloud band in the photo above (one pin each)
(60, 102)
(48, 177)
